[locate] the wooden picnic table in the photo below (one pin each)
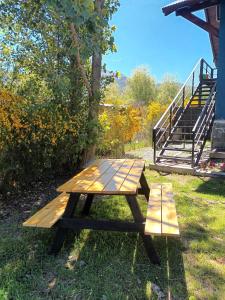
(106, 177)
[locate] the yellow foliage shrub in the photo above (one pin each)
(38, 138)
(119, 125)
(154, 111)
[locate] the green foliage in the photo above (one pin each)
(114, 95)
(168, 89)
(36, 41)
(39, 63)
(141, 86)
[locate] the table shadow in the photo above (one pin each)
(118, 261)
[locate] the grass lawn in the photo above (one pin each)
(105, 265)
(137, 145)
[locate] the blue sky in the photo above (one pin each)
(166, 45)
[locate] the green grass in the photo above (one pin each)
(105, 265)
(137, 145)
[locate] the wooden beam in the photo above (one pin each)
(193, 5)
(80, 223)
(201, 23)
(197, 7)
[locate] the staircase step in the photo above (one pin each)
(180, 138)
(180, 133)
(180, 141)
(175, 158)
(177, 149)
(189, 119)
(183, 126)
(202, 96)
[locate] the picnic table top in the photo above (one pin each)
(107, 176)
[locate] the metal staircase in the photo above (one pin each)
(180, 135)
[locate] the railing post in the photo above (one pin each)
(154, 144)
(183, 97)
(193, 83)
(170, 127)
(193, 150)
(212, 73)
(201, 70)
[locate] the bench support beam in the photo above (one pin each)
(101, 225)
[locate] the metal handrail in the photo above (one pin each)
(181, 90)
(173, 113)
(205, 108)
(200, 130)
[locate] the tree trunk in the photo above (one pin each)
(77, 85)
(94, 100)
(76, 43)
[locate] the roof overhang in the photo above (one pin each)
(186, 8)
(190, 6)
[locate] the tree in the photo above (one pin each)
(113, 94)
(141, 86)
(154, 112)
(168, 89)
(119, 126)
(60, 43)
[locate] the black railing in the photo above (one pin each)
(202, 126)
(182, 101)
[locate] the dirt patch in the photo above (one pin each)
(24, 201)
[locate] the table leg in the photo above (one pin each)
(60, 234)
(87, 205)
(144, 186)
(138, 217)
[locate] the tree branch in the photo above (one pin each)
(75, 40)
(97, 56)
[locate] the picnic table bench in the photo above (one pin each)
(110, 177)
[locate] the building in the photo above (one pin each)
(215, 26)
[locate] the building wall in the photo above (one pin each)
(220, 100)
(218, 133)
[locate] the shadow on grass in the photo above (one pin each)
(117, 266)
(212, 186)
(96, 265)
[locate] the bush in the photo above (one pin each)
(119, 125)
(154, 112)
(38, 139)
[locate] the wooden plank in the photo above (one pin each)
(49, 214)
(53, 215)
(132, 180)
(154, 211)
(81, 182)
(117, 180)
(169, 216)
(106, 177)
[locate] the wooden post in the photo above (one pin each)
(138, 217)
(60, 234)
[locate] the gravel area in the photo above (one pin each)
(145, 153)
